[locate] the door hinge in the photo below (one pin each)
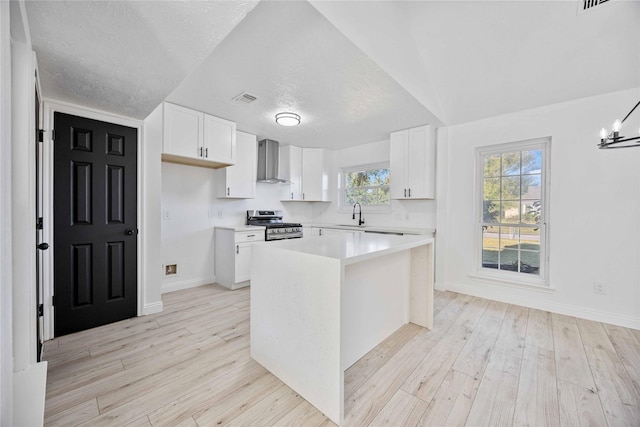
(53, 134)
(39, 224)
(40, 135)
(53, 301)
(40, 310)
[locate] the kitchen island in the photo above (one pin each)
(318, 304)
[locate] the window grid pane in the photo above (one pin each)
(511, 211)
(367, 186)
(511, 248)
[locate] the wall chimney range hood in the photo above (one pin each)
(268, 157)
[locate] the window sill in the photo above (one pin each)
(539, 285)
(366, 210)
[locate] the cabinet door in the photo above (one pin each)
(290, 168)
(219, 139)
(398, 162)
(314, 179)
(183, 131)
(243, 262)
(421, 161)
(240, 179)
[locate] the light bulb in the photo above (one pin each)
(617, 125)
(603, 133)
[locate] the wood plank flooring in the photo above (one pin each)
(485, 363)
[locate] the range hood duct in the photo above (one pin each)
(268, 158)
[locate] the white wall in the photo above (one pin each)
(23, 190)
(594, 208)
(6, 283)
(189, 196)
(403, 213)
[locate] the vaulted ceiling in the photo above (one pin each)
(353, 70)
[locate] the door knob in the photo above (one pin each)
(129, 232)
(43, 246)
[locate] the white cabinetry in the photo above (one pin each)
(412, 162)
(194, 138)
(239, 181)
(220, 139)
(324, 231)
(306, 168)
(315, 180)
(233, 255)
(291, 169)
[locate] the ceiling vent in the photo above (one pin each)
(588, 5)
(245, 97)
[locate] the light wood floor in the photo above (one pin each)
(484, 363)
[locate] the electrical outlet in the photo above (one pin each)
(166, 214)
(170, 269)
(210, 213)
(220, 214)
(599, 288)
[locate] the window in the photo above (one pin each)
(368, 185)
(513, 211)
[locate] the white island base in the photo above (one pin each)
(318, 304)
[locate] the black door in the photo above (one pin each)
(40, 245)
(95, 223)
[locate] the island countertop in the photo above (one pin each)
(351, 247)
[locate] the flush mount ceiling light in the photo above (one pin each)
(287, 119)
(612, 139)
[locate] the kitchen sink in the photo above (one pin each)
(350, 225)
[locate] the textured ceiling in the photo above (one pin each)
(125, 56)
(494, 57)
(292, 59)
(354, 70)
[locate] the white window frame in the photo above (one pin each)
(540, 281)
(342, 207)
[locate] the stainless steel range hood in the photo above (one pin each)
(268, 157)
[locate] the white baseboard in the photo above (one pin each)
(154, 307)
(186, 284)
(554, 307)
(30, 388)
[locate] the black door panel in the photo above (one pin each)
(95, 271)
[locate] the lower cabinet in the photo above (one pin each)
(323, 231)
(233, 255)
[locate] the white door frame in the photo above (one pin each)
(50, 107)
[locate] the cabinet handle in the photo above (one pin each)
(250, 235)
(200, 151)
(228, 191)
(291, 196)
(302, 196)
(237, 249)
(405, 192)
(409, 192)
(206, 153)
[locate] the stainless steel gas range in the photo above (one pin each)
(276, 229)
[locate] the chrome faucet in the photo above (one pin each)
(360, 220)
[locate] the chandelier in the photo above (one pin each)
(613, 138)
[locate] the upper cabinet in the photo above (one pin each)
(239, 181)
(291, 169)
(315, 179)
(194, 138)
(412, 162)
(306, 168)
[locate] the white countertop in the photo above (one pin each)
(350, 248)
(375, 228)
(243, 227)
